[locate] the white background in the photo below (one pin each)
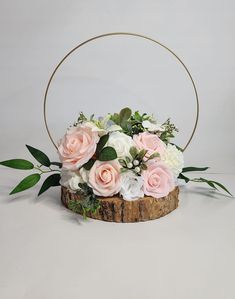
(47, 252)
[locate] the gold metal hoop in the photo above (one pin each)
(128, 34)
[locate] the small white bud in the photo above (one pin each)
(129, 165)
(136, 162)
(137, 169)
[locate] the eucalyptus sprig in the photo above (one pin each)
(45, 167)
(131, 123)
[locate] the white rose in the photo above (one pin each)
(70, 179)
(121, 143)
(131, 187)
(174, 159)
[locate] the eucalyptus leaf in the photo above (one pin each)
(26, 183)
(18, 164)
(107, 153)
(124, 115)
(115, 118)
(39, 156)
(51, 181)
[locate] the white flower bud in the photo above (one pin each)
(137, 169)
(129, 165)
(136, 162)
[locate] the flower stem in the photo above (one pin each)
(45, 171)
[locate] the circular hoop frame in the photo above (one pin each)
(128, 34)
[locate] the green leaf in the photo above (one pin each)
(17, 164)
(57, 164)
(89, 164)
(178, 147)
(154, 155)
(133, 151)
(51, 181)
(188, 169)
(183, 177)
(122, 162)
(212, 184)
(221, 186)
(141, 154)
(39, 156)
(115, 118)
(108, 153)
(124, 115)
(103, 140)
(26, 183)
(143, 167)
(137, 116)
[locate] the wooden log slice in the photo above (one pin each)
(115, 209)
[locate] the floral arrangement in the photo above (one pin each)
(125, 154)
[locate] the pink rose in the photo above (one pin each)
(105, 178)
(158, 179)
(150, 142)
(77, 146)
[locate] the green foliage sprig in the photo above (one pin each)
(131, 124)
(169, 131)
(88, 201)
(31, 180)
(137, 162)
(211, 183)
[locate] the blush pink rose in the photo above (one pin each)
(77, 146)
(105, 178)
(150, 142)
(158, 179)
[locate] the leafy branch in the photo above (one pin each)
(211, 183)
(169, 131)
(138, 160)
(45, 167)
